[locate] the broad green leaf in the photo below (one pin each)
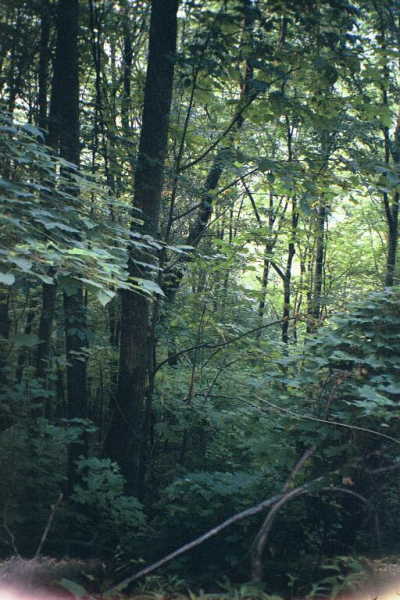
(7, 278)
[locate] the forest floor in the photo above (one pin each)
(51, 579)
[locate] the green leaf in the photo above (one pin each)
(23, 263)
(73, 587)
(7, 278)
(104, 296)
(33, 130)
(149, 286)
(28, 340)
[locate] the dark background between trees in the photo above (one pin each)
(198, 275)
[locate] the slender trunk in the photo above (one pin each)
(393, 235)
(44, 58)
(287, 281)
(264, 286)
(49, 291)
(316, 300)
(129, 427)
(24, 354)
(392, 150)
(5, 323)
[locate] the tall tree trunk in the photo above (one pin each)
(64, 121)
(49, 291)
(127, 437)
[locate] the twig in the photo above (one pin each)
(48, 525)
(10, 533)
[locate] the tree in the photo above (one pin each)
(127, 438)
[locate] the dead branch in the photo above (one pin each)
(48, 525)
(209, 534)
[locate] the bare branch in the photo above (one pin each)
(209, 534)
(46, 530)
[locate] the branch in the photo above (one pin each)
(48, 525)
(9, 532)
(263, 533)
(278, 270)
(328, 422)
(221, 344)
(209, 534)
(253, 203)
(207, 151)
(262, 536)
(383, 469)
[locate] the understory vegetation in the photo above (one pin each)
(199, 301)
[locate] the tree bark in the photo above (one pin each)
(64, 124)
(127, 436)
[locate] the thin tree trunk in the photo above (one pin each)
(392, 213)
(49, 291)
(287, 281)
(316, 300)
(44, 58)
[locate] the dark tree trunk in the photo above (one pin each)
(287, 281)
(44, 59)
(5, 323)
(64, 134)
(127, 437)
(49, 291)
(24, 354)
(392, 214)
(316, 300)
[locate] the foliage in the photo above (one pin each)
(262, 313)
(51, 235)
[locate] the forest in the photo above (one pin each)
(199, 301)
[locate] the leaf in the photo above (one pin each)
(23, 263)
(73, 587)
(33, 130)
(104, 296)
(45, 278)
(7, 278)
(149, 286)
(28, 340)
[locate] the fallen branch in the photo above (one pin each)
(209, 534)
(262, 536)
(264, 531)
